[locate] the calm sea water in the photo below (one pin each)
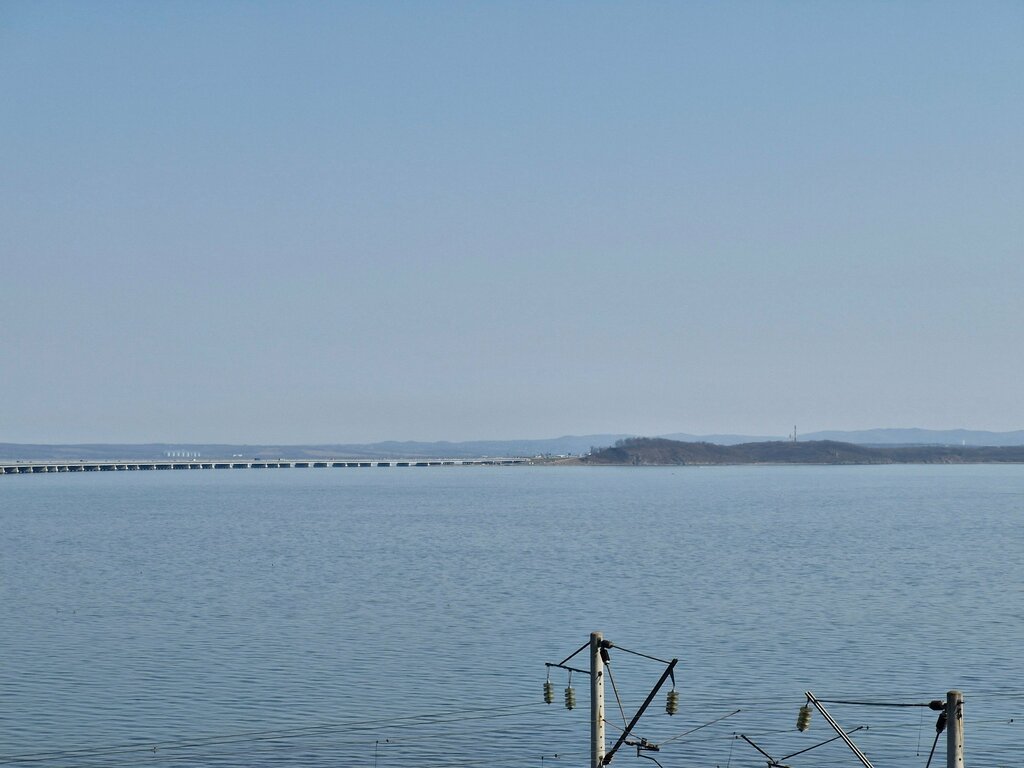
(394, 617)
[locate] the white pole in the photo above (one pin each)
(954, 729)
(596, 701)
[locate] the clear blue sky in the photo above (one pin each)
(334, 222)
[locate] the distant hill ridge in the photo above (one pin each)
(558, 446)
(889, 436)
(644, 451)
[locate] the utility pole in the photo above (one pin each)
(596, 700)
(599, 659)
(954, 729)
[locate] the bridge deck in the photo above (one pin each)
(37, 467)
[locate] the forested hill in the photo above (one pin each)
(648, 451)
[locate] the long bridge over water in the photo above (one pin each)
(37, 467)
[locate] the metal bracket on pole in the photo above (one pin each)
(773, 763)
(842, 734)
(643, 708)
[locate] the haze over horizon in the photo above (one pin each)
(713, 436)
(304, 223)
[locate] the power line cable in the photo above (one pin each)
(615, 690)
(930, 704)
(261, 735)
(699, 727)
(426, 720)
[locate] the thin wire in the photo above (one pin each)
(920, 727)
(229, 742)
(567, 658)
(513, 759)
(898, 726)
(250, 754)
(734, 699)
(926, 765)
(615, 690)
(614, 725)
(192, 759)
(510, 760)
(869, 730)
(471, 732)
(823, 743)
(872, 703)
(637, 653)
(692, 730)
(242, 736)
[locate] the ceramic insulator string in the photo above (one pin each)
(672, 702)
(803, 718)
(570, 698)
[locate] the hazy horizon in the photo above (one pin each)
(306, 223)
(813, 434)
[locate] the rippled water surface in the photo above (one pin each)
(394, 617)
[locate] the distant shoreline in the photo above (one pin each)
(543, 450)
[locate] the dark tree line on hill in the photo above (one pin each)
(647, 451)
